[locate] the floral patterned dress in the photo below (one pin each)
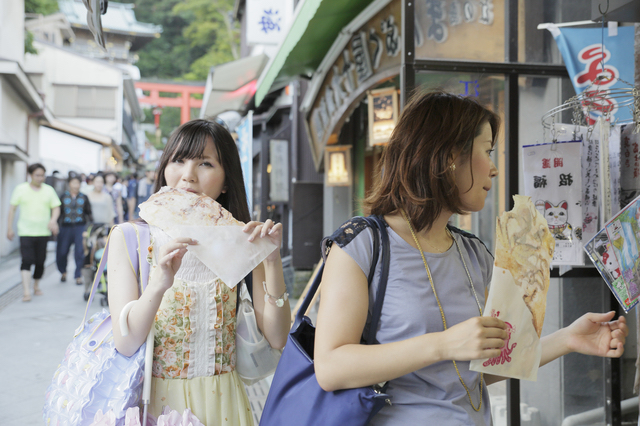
(194, 350)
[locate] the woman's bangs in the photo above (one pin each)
(190, 146)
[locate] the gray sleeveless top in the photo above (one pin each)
(431, 395)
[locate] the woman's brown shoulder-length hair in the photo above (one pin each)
(434, 129)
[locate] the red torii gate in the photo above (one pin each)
(185, 102)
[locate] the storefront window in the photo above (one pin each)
(474, 30)
(538, 46)
(460, 29)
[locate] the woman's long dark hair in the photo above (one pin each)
(189, 141)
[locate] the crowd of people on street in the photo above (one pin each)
(437, 163)
(67, 210)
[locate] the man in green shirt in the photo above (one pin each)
(39, 211)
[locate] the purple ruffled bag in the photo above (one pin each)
(93, 375)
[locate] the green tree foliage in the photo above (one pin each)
(171, 55)
(213, 27)
(197, 34)
(42, 7)
(28, 43)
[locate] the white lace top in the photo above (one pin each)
(195, 324)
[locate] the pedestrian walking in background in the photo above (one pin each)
(57, 182)
(436, 164)
(110, 179)
(38, 219)
(145, 186)
(132, 195)
(194, 367)
(101, 203)
(86, 186)
(74, 216)
(121, 186)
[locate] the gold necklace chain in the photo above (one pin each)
(444, 321)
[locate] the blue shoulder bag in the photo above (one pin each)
(295, 397)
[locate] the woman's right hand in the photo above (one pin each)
(169, 260)
(475, 338)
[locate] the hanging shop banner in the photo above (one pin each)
(268, 21)
(554, 183)
(362, 57)
(629, 164)
(338, 166)
(245, 148)
(590, 173)
(582, 50)
(609, 170)
(383, 114)
(279, 173)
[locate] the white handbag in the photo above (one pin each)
(255, 358)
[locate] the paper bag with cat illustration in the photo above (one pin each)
(553, 180)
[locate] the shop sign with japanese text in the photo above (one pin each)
(453, 29)
(370, 55)
(267, 21)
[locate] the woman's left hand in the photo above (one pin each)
(270, 230)
(596, 334)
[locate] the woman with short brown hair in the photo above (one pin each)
(419, 162)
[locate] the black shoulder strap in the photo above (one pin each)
(379, 231)
(379, 228)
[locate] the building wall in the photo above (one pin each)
(60, 67)
(12, 173)
(13, 116)
(306, 170)
(12, 30)
(13, 130)
(118, 46)
(50, 28)
(64, 152)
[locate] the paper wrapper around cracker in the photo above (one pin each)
(222, 246)
(518, 292)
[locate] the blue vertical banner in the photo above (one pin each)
(585, 52)
(245, 148)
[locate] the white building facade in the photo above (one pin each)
(91, 95)
(21, 110)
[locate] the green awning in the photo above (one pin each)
(316, 25)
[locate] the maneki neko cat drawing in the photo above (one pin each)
(557, 217)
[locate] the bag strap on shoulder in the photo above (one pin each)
(376, 313)
(379, 234)
(136, 238)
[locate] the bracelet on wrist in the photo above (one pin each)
(277, 301)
